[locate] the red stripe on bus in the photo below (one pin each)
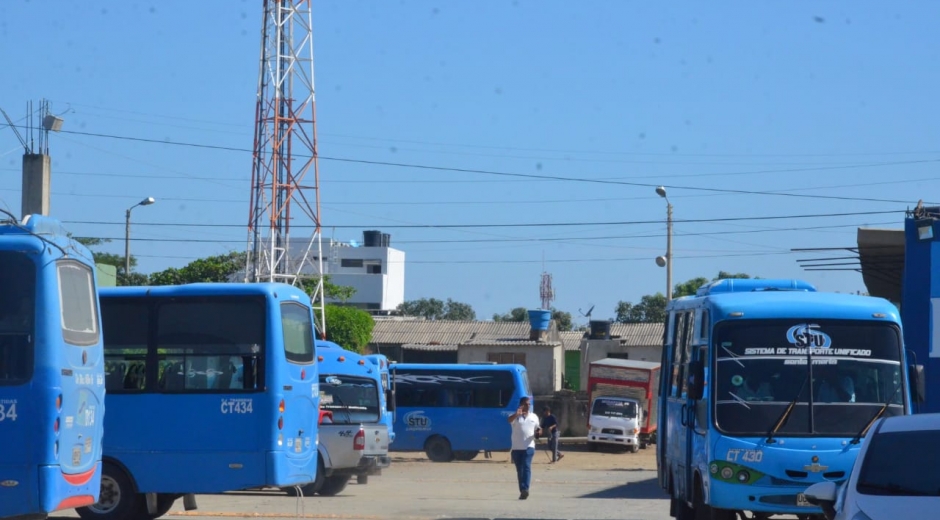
(76, 501)
(78, 479)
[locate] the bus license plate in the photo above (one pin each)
(801, 500)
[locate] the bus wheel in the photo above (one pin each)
(466, 455)
(705, 512)
(164, 504)
(117, 500)
(438, 449)
(334, 485)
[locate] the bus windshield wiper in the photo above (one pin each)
(786, 413)
(344, 407)
(861, 433)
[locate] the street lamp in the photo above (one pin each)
(666, 261)
(127, 234)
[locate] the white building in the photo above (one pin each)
(374, 269)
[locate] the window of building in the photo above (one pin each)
(351, 262)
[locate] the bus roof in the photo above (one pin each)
(38, 230)
(727, 285)
(792, 304)
(459, 366)
(274, 290)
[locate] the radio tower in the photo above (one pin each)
(285, 156)
(546, 291)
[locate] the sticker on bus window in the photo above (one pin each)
(325, 398)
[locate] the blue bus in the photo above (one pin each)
(388, 393)
(454, 411)
(768, 386)
(51, 370)
(211, 388)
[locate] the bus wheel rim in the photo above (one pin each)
(109, 498)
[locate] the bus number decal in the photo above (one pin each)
(741, 455)
(236, 406)
(7, 411)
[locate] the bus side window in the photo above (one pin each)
(114, 375)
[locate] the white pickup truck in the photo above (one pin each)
(351, 441)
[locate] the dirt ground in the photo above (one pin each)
(576, 457)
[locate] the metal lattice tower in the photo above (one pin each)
(546, 292)
(285, 156)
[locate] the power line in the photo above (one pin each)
(555, 177)
(524, 225)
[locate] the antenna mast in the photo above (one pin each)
(546, 291)
(285, 151)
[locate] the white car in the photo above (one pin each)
(896, 474)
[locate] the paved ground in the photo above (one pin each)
(607, 485)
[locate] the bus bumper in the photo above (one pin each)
(757, 498)
(59, 491)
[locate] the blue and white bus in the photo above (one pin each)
(211, 388)
(768, 386)
(454, 411)
(51, 370)
(388, 392)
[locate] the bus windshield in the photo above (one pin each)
(351, 399)
(614, 408)
(838, 374)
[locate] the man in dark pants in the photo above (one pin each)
(525, 426)
(550, 427)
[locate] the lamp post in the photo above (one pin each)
(666, 261)
(127, 234)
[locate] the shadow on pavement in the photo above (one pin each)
(645, 489)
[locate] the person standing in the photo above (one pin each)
(550, 427)
(525, 426)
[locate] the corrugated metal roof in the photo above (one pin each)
(446, 332)
(638, 334)
(430, 348)
(511, 343)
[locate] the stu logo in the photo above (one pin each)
(417, 421)
(808, 335)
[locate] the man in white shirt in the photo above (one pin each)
(525, 425)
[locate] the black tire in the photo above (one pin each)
(592, 446)
(362, 479)
(682, 511)
(634, 448)
(465, 455)
(312, 488)
(118, 498)
(643, 445)
(438, 449)
(164, 504)
(334, 485)
(706, 512)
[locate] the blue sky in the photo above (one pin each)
(832, 104)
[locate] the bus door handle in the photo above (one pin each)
(684, 420)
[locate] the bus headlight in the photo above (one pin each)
(743, 476)
(727, 473)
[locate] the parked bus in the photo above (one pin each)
(388, 392)
(211, 388)
(454, 411)
(768, 386)
(51, 370)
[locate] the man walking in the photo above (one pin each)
(525, 425)
(550, 426)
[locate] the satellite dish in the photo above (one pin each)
(588, 313)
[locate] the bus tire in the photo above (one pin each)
(334, 485)
(165, 502)
(438, 449)
(465, 454)
(704, 511)
(308, 490)
(118, 498)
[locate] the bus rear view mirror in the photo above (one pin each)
(390, 400)
(696, 382)
(918, 387)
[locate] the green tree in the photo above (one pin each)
(115, 260)
(434, 309)
(212, 269)
(563, 320)
(349, 327)
(331, 290)
(652, 307)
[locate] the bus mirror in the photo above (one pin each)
(696, 382)
(918, 388)
(390, 400)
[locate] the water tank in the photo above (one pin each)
(372, 238)
(600, 329)
(386, 240)
(539, 319)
